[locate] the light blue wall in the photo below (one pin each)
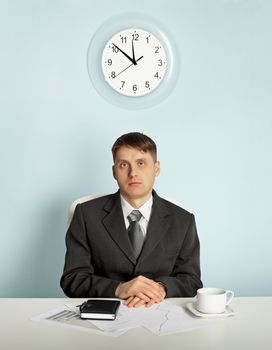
(213, 134)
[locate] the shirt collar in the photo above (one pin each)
(145, 209)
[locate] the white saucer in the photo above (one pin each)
(229, 312)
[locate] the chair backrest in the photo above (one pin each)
(78, 201)
(93, 196)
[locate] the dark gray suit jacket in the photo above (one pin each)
(99, 255)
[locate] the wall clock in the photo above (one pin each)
(133, 61)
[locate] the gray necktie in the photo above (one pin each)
(135, 232)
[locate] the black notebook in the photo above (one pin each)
(96, 309)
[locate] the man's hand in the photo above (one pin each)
(140, 291)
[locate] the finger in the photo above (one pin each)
(151, 294)
(150, 303)
(140, 303)
(136, 302)
(128, 300)
(142, 296)
(133, 302)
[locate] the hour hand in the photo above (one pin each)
(127, 56)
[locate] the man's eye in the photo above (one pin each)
(123, 165)
(141, 163)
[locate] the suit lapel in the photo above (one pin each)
(157, 227)
(114, 224)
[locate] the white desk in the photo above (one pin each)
(251, 329)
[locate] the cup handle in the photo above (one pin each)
(230, 296)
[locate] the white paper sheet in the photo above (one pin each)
(161, 319)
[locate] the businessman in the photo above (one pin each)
(132, 244)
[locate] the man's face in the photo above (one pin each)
(135, 172)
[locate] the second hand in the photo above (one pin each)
(123, 70)
(127, 67)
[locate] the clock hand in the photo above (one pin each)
(127, 56)
(133, 54)
(127, 67)
(123, 70)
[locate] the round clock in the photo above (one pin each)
(133, 61)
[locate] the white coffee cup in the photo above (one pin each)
(213, 300)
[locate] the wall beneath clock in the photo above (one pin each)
(119, 23)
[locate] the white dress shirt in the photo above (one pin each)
(145, 210)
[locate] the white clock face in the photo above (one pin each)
(134, 62)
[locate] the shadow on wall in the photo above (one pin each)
(39, 271)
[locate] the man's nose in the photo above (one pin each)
(132, 171)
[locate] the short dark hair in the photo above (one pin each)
(135, 140)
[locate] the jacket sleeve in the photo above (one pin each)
(185, 277)
(78, 279)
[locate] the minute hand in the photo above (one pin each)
(127, 56)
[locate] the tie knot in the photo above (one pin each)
(135, 215)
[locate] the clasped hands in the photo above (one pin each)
(141, 291)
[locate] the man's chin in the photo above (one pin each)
(135, 194)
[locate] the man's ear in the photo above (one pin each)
(157, 168)
(113, 172)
